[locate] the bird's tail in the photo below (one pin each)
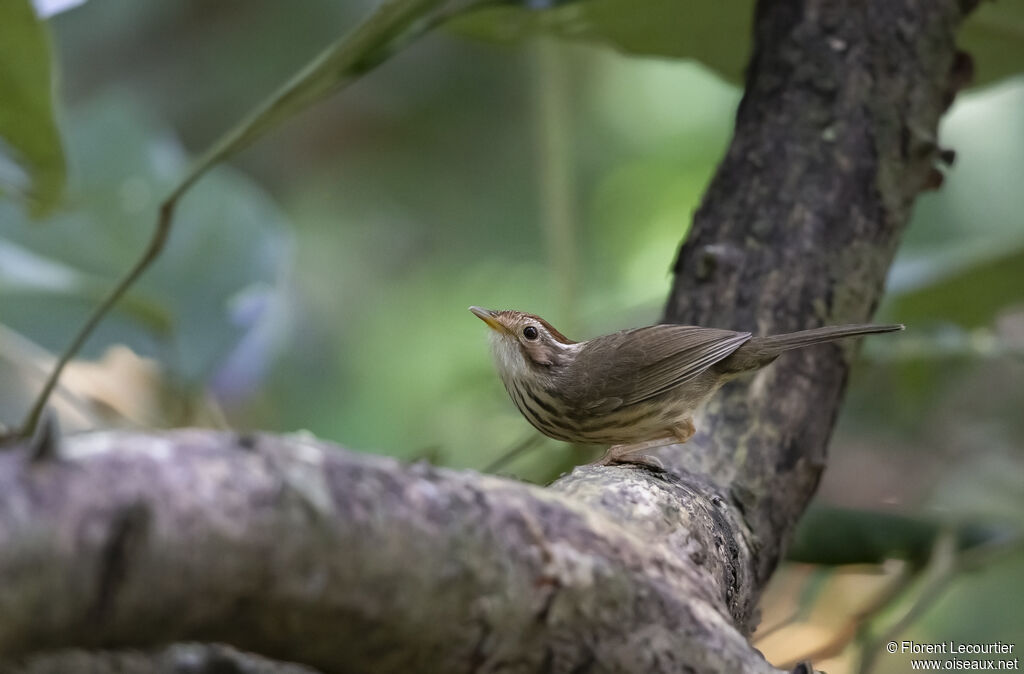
(760, 351)
(794, 340)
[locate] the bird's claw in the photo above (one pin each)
(647, 461)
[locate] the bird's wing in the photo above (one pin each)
(634, 365)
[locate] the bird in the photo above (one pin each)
(635, 389)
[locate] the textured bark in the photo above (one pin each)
(349, 563)
(346, 563)
(835, 137)
(176, 659)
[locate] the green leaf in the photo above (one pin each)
(37, 279)
(31, 157)
(715, 33)
(960, 260)
(718, 34)
(392, 25)
(834, 536)
(994, 37)
(971, 297)
(220, 279)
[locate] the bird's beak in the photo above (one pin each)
(488, 317)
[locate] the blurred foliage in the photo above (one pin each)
(387, 29)
(973, 296)
(814, 613)
(841, 618)
(717, 34)
(835, 536)
(994, 36)
(321, 282)
(54, 274)
(31, 159)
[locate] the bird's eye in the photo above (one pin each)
(530, 332)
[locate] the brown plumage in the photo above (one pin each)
(633, 389)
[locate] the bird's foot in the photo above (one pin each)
(645, 460)
(631, 454)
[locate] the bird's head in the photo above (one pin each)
(525, 344)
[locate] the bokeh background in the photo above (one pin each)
(320, 280)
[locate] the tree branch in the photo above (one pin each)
(298, 551)
(835, 138)
(175, 659)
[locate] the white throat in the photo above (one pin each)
(508, 358)
(510, 361)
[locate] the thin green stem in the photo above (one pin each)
(514, 452)
(156, 244)
(555, 172)
(392, 26)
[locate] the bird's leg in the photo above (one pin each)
(619, 453)
(684, 431)
(627, 453)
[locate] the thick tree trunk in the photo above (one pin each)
(835, 138)
(347, 563)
